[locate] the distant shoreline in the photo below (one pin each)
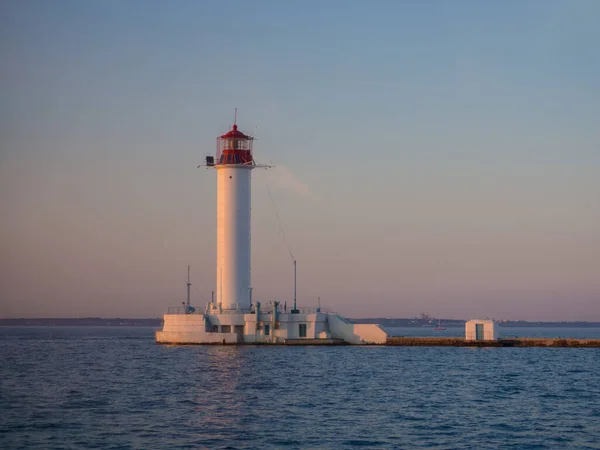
(81, 322)
(157, 322)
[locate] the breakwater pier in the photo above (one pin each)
(512, 342)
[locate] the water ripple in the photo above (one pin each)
(115, 388)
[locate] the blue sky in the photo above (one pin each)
(431, 156)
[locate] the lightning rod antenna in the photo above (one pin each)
(187, 309)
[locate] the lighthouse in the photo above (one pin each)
(232, 316)
(234, 163)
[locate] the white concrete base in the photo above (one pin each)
(356, 333)
(195, 337)
(266, 328)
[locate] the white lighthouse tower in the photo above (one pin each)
(232, 316)
(234, 164)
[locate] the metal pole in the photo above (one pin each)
(295, 310)
(187, 309)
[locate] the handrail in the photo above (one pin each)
(302, 310)
(182, 310)
(343, 319)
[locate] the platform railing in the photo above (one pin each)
(267, 310)
(181, 310)
(302, 310)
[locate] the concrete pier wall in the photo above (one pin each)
(515, 342)
(353, 333)
(184, 322)
(195, 337)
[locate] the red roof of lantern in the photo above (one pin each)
(234, 133)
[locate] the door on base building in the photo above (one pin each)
(239, 330)
(479, 332)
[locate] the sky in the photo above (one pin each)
(430, 156)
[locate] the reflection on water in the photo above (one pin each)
(219, 405)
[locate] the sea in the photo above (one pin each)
(115, 388)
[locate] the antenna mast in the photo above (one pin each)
(295, 311)
(187, 308)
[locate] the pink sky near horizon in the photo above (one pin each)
(437, 160)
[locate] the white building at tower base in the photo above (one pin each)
(307, 327)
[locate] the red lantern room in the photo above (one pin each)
(234, 148)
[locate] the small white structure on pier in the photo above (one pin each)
(233, 316)
(481, 330)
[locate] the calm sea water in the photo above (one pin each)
(115, 388)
